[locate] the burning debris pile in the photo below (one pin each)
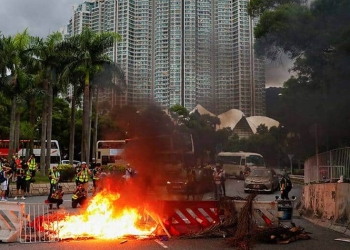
(104, 218)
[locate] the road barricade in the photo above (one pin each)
(11, 214)
(182, 217)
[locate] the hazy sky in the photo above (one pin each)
(42, 17)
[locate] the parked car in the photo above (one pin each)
(75, 162)
(203, 181)
(265, 180)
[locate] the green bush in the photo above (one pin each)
(119, 168)
(67, 172)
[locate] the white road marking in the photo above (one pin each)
(161, 243)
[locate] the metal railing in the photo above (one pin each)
(328, 166)
(39, 224)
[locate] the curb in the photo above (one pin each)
(40, 189)
(329, 224)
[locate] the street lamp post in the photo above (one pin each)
(279, 145)
(290, 156)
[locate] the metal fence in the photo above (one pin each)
(328, 166)
(39, 224)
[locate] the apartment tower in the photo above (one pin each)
(185, 52)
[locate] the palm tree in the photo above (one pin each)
(76, 79)
(14, 79)
(88, 56)
(46, 57)
(4, 100)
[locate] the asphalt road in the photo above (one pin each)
(321, 238)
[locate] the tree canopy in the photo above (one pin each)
(316, 37)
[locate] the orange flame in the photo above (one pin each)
(102, 221)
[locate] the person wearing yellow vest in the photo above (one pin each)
(28, 179)
(32, 166)
(83, 177)
(77, 170)
(54, 177)
(56, 197)
(78, 196)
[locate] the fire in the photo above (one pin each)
(102, 220)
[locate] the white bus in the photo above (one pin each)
(55, 154)
(109, 151)
(238, 163)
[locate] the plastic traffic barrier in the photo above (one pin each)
(182, 217)
(10, 220)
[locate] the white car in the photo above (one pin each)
(75, 162)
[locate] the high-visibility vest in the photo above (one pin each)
(78, 194)
(32, 164)
(28, 175)
(55, 175)
(77, 170)
(84, 176)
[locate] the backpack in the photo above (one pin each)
(2, 177)
(289, 184)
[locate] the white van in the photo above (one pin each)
(237, 163)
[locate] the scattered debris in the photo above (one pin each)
(240, 231)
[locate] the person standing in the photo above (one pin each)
(129, 172)
(219, 181)
(20, 178)
(285, 186)
(191, 184)
(32, 166)
(93, 164)
(83, 177)
(96, 172)
(77, 170)
(4, 184)
(54, 178)
(9, 179)
(28, 180)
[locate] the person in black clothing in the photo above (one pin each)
(191, 184)
(20, 179)
(285, 186)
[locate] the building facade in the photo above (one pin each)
(185, 52)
